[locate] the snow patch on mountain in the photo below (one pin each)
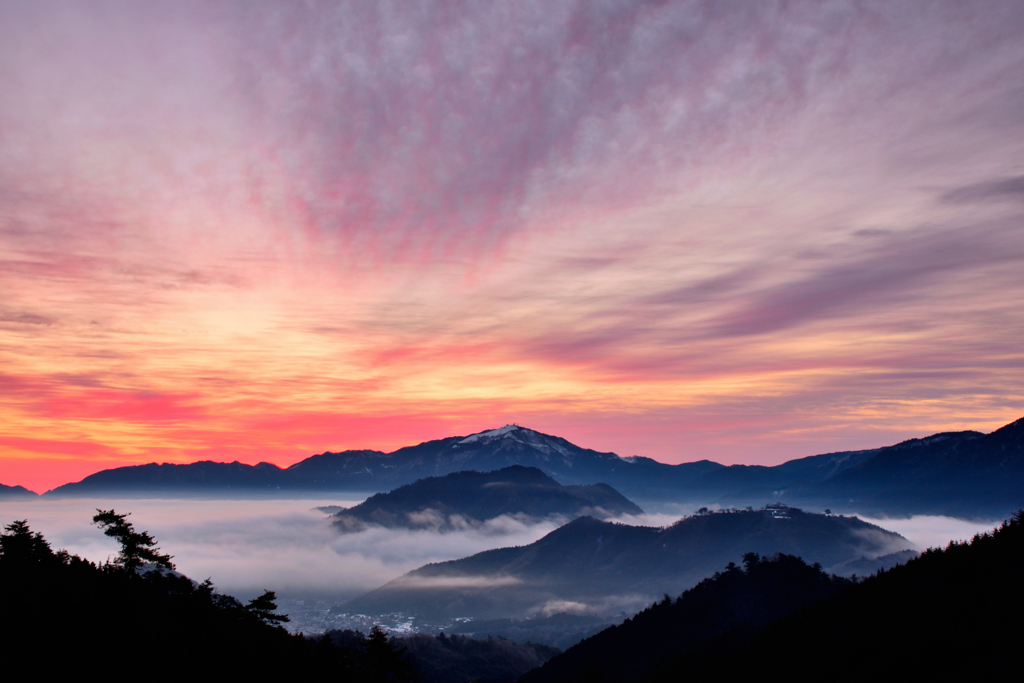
(493, 433)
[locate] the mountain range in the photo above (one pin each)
(589, 567)
(966, 474)
(461, 498)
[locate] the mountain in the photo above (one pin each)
(594, 567)
(751, 596)
(964, 474)
(369, 470)
(461, 498)
(953, 473)
(8, 492)
(950, 614)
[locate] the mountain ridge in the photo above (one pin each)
(468, 497)
(965, 474)
(593, 566)
(9, 492)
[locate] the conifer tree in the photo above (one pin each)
(137, 547)
(264, 606)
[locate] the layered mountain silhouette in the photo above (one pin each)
(592, 567)
(373, 471)
(949, 614)
(7, 492)
(966, 474)
(463, 498)
(749, 597)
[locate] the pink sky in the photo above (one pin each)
(739, 231)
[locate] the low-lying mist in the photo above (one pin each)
(934, 531)
(246, 546)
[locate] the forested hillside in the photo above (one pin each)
(950, 611)
(954, 612)
(608, 567)
(744, 598)
(62, 615)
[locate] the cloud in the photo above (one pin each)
(934, 531)
(1000, 189)
(246, 546)
(606, 606)
(681, 229)
(428, 582)
(886, 272)
(563, 607)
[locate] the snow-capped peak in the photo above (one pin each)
(491, 434)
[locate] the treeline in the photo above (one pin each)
(950, 612)
(454, 658)
(735, 601)
(135, 614)
(137, 618)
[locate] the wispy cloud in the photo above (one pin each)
(682, 229)
(1006, 189)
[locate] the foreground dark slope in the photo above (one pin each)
(948, 613)
(750, 597)
(62, 616)
(452, 500)
(605, 567)
(965, 474)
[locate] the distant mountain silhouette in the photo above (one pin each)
(955, 473)
(966, 474)
(373, 471)
(456, 499)
(15, 492)
(589, 566)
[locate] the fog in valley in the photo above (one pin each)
(286, 545)
(934, 531)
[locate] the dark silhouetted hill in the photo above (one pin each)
(746, 598)
(951, 614)
(62, 616)
(457, 659)
(7, 492)
(594, 567)
(456, 499)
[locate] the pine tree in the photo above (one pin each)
(137, 547)
(264, 606)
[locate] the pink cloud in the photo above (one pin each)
(678, 229)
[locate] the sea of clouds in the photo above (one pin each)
(286, 545)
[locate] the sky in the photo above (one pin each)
(747, 232)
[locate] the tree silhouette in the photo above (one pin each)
(385, 661)
(263, 608)
(20, 546)
(137, 547)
